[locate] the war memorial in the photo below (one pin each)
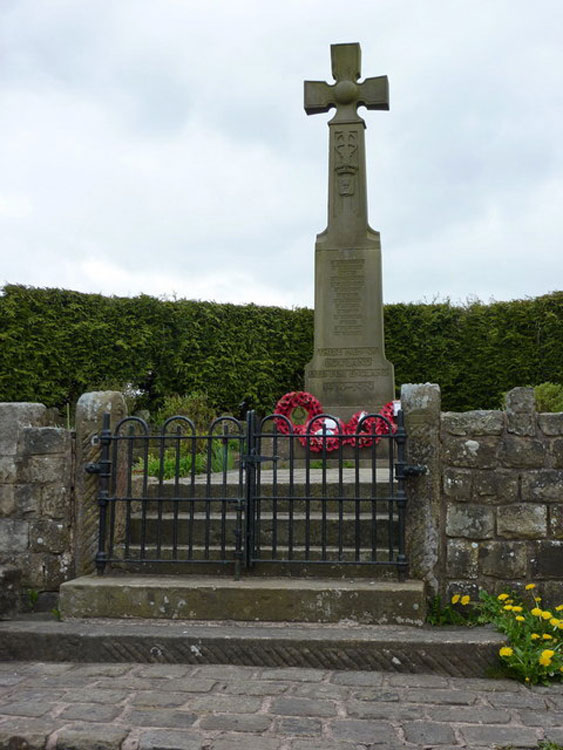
(276, 596)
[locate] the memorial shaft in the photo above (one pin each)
(349, 371)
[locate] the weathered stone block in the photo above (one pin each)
(7, 500)
(556, 522)
(14, 535)
(522, 521)
(55, 501)
(8, 469)
(42, 469)
(9, 589)
(13, 418)
(547, 560)
(42, 440)
(457, 483)
(470, 521)
(521, 452)
(551, 423)
(462, 559)
(462, 587)
(470, 453)
(27, 498)
(556, 451)
(495, 486)
(552, 593)
(544, 486)
(478, 422)
(521, 411)
(503, 559)
(45, 571)
(49, 536)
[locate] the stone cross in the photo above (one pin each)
(348, 371)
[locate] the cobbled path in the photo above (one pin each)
(176, 707)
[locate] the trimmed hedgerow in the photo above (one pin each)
(56, 344)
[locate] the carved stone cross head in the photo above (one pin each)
(346, 94)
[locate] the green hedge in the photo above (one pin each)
(57, 344)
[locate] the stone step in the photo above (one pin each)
(250, 599)
(458, 652)
(218, 527)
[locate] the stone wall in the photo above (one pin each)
(496, 517)
(36, 470)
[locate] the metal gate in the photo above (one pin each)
(252, 493)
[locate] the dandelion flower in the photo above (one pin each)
(520, 618)
(502, 597)
(547, 637)
(516, 609)
(555, 622)
(506, 651)
(530, 586)
(455, 598)
(535, 636)
(508, 607)
(546, 615)
(545, 657)
(537, 612)
(465, 600)
(537, 598)
(559, 608)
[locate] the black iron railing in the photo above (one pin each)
(251, 493)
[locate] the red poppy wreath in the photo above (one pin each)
(327, 432)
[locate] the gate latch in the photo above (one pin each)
(93, 468)
(258, 459)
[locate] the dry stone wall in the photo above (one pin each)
(502, 496)
(36, 468)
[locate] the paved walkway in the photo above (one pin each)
(181, 707)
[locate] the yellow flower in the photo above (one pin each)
(560, 626)
(508, 607)
(506, 651)
(455, 598)
(520, 618)
(547, 637)
(555, 622)
(537, 612)
(465, 600)
(537, 598)
(516, 609)
(559, 608)
(502, 597)
(530, 586)
(535, 636)
(546, 657)
(546, 615)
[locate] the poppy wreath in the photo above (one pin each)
(327, 433)
(371, 426)
(324, 432)
(294, 400)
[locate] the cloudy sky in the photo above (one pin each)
(162, 147)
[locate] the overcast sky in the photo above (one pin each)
(162, 147)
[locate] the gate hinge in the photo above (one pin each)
(414, 470)
(93, 468)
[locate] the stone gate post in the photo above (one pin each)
(425, 522)
(89, 411)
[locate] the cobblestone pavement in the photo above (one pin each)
(181, 707)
